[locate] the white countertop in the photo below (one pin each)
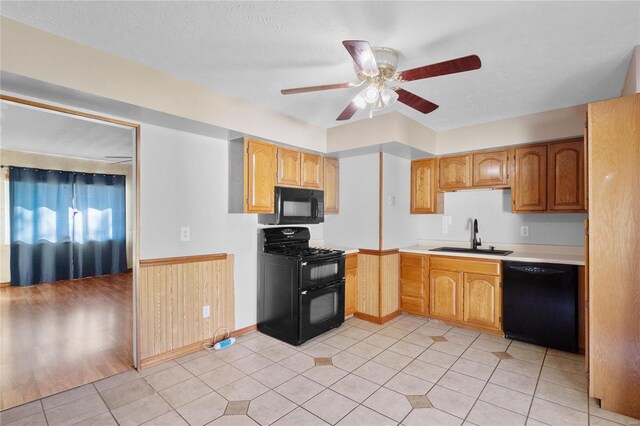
(568, 255)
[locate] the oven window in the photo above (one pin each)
(322, 271)
(323, 308)
(297, 208)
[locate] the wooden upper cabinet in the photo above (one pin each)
(424, 187)
(331, 185)
(455, 172)
(529, 190)
(566, 176)
(444, 294)
(482, 304)
(288, 167)
(312, 171)
(260, 167)
(491, 169)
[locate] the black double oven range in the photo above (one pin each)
(300, 288)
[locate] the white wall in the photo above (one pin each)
(497, 224)
(357, 223)
(399, 227)
(184, 182)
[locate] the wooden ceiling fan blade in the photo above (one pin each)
(348, 112)
(295, 90)
(415, 101)
(362, 55)
(466, 63)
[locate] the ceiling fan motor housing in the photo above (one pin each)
(387, 61)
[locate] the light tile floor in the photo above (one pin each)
(409, 371)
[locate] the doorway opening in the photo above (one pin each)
(69, 249)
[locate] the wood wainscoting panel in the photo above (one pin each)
(172, 297)
(368, 284)
(389, 288)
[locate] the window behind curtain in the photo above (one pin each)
(65, 225)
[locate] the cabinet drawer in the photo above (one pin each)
(411, 273)
(411, 259)
(490, 267)
(413, 305)
(411, 288)
(351, 261)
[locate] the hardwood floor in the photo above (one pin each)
(56, 336)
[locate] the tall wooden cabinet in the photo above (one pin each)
(331, 185)
(614, 250)
(425, 197)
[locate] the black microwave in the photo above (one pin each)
(294, 206)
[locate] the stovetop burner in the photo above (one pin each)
(301, 251)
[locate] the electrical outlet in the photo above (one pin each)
(185, 233)
(524, 231)
(206, 312)
(446, 221)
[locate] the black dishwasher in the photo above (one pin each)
(540, 304)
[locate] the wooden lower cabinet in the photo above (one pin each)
(481, 300)
(444, 294)
(453, 289)
(351, 284)
(413, 288)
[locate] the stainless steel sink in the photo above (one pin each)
(490, 251)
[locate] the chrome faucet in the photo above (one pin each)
(477, 242)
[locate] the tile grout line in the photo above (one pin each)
(485, 385)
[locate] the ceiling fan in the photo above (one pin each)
(375, 67)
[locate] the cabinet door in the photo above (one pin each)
(260, 174)
(566, 176)
(529, 191)
(455, 172)
(444, 294)
(312, 171)
(351, 283)
(288, 167)
(424, 184)
(481, 300)
(490, 169)
(331, 185)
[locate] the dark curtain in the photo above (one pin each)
(99, 233)
(40, 225)
(65, 225)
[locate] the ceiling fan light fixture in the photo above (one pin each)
(388, 96)
(371, 94)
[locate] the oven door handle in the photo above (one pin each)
(323, 260)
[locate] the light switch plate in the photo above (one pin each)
(185, 233)
(206, 312)
(524, 231)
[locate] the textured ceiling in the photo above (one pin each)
(34, 130)
(536, 56)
